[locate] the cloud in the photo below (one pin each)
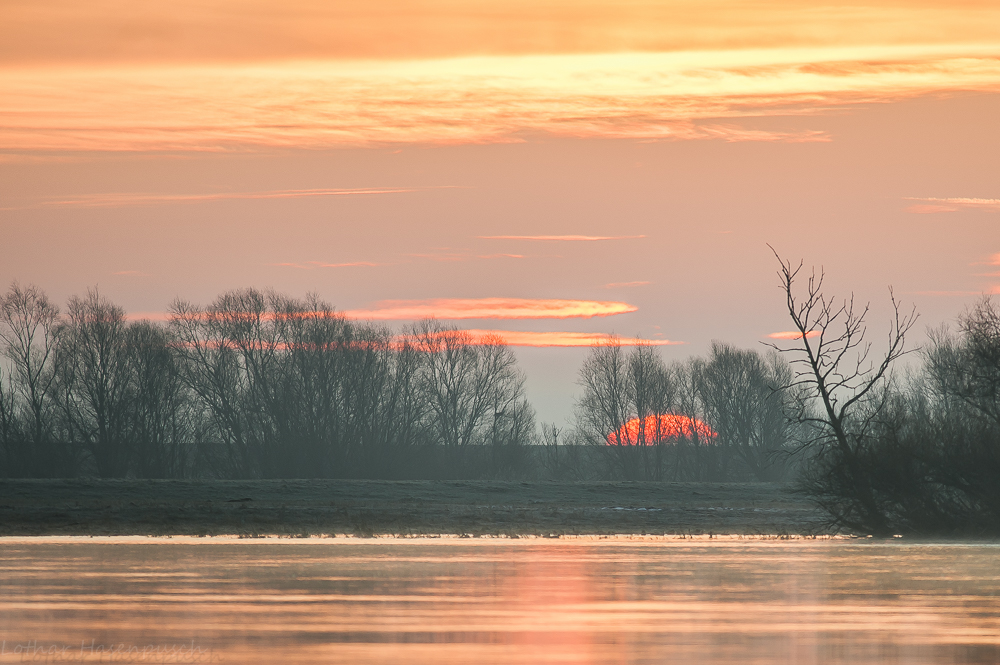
(118, 200)
(624, 285)
(312, 265)
(490, 308)
(562, 339)
(946, 294)
(463, 255)
(922, 209)
(148, 316)
(649, 95)
(793, 334)
(564, 238)
(933, 205)
(131, 273)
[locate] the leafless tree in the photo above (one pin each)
(473, 391)
(383, 410)
(94, 365)
(164, 423)
(967, 367)
(619, 387)
(29, 334)
(834, 364)
(227, 353)
(748, 400)
(698, 455)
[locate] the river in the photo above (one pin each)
(451, 600)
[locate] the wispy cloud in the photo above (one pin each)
(563, 238)
(562, 339)
(947, 294)
(490, 308)
(148, 316)
(312, 265)
(131, 273)
(954, 204)
(625, 285)
(793, 334)
(680, 95)
(461, 255)
(119, 200)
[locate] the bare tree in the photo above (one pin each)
(697, 454)
(473, 390)
(382, 405)
(29, 334)
(833, 363)
(967, 367)
(223, 349)
(747, 397)
(603, 410)
(624, 395)
(94, 365)
(164, 422)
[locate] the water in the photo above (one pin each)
(498, 601)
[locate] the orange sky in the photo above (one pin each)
(565, 169)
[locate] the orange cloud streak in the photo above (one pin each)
(235, 30)
(310, 265)
(793, 334)
(327, 103)
(126, 199)
(490, 308)
(563, 339)
(954, 204)
(566, 238)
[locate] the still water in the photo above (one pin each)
(497, 601)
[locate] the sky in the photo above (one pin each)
(555, 171)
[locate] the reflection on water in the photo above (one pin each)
(494, 601)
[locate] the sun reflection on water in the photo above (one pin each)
(492, 601)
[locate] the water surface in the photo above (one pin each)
(498, 601)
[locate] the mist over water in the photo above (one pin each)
(495, 601)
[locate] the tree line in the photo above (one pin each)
(255, 385)
(261, 385)
(888, 452)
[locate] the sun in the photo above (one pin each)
(664, 428)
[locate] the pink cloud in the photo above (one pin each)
(490, 308)
(116, 200)
(922, 209)
(793, 334)
(559, 339)
(954, 204)
(131, 273)
(463, 255)
(148, 316)
(624, 285)
(570, 238)
(311, 265)
(656, 95)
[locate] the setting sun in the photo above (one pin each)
(665, 428)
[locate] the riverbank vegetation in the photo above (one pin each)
(258, 385)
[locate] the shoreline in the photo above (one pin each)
(404, 509)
